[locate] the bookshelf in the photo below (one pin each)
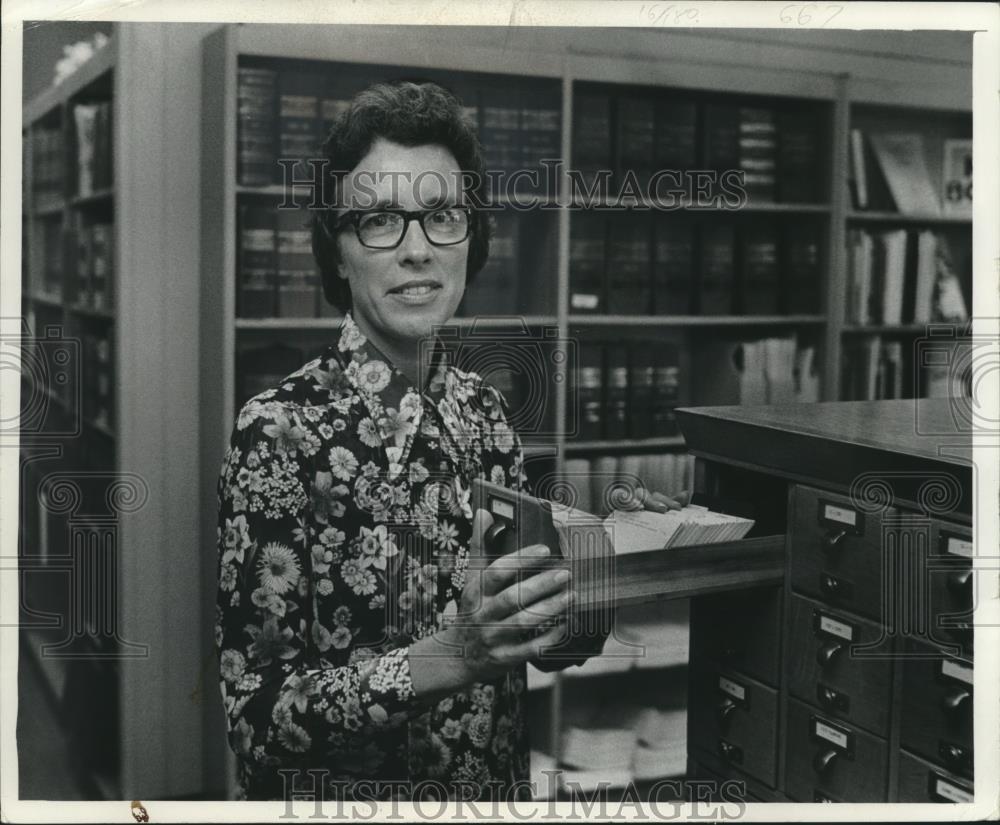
(800, 221)
(109, 431)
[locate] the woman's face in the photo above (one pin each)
(399, 294)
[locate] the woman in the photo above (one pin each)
(356, 639)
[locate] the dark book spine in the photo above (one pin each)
(101, 269)
(591, 135)
(103, 401)
(910, 277)
(616, 391)
(500, 134)
(298, 280)
(758, 147)
(540, 138)
(717, 270)
(587, 262)
(257, 263)
(636, 130)
(722, 142)
(629, 263)
(666, 390)
(673, 265)
(84, 263)
(676, 135)
(256, 136)
(103, 141)
(801, 270)
(494, 291)
(589, 391)
(298, 122)
(759, 282)
(640, 381)
(800, 172)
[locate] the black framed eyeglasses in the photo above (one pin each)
(386, 228)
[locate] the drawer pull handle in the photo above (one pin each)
(728, 751)
(960, 584)
(824, 760)
(832, 540)
(829, 584)
(953, 754)
(827, 697)
(955, 700)
(725, 710)
(826, 654)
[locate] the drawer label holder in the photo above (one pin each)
(953, 670)
(826, 625)
(951, 544)
(838, 517)
(823, 796)
(942, 789)
(733, 689)
(821, 730)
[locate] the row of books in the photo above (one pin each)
(93, 147)
(901, 276)
(889, 171)
(286, 113)
(94, 253)
(625, 390)
(601, 483)
(876, 368)
(48, 160)
(277, 274)
(779, 150)
(775, 370)
(647, 263)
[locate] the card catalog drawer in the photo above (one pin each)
(739, 631)
(952, 585)
(735, 718)
(824, 672)
(921, 781)
(836, 551)
(830, 760)
(937, 703)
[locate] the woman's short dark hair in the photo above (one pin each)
(411, 114)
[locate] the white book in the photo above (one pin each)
(858, 161)
(895, 272)
(901, 156)
(923, 302)
(866, 254)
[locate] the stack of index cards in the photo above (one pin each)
(639, 530)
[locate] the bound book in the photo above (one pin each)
(616, 413)
(673, 264)
(256, 294)
(588, 391)
(801, 177)
(718, 270)
(629, 258)
(758, 145)
(500, 128)
(666, 389)
(299, 122)
(636, 133)
(641, 381)
(540, 137)
(256, 133)
(801, 270)
(587, 246)
(722, 142)
(494, 289)
(901, 159)
(760, 275)
(298, 279)
(591, 135)
(676, 140)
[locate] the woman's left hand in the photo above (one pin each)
(657, 502)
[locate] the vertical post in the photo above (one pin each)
(836, 280)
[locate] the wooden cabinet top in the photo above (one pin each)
(920, 449)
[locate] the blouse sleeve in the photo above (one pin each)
(281, 702)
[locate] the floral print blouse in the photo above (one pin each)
(344, 527)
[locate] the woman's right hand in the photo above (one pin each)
(503, 618)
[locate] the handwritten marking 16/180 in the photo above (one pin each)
(668, 14)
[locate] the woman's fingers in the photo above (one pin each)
(660, 502)
(502, 571)
(481, 522)
(526, 592)
(538, 612)
(533, 648)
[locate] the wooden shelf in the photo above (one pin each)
(288, 323)
(46, 299)
(611, 445)
(693, 320)
(667, 207)
(887, 329)
(91, 312)
(49, 207)
(97, 198)
(899, 217)
(491, 321)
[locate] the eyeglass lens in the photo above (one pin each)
(385, 229)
